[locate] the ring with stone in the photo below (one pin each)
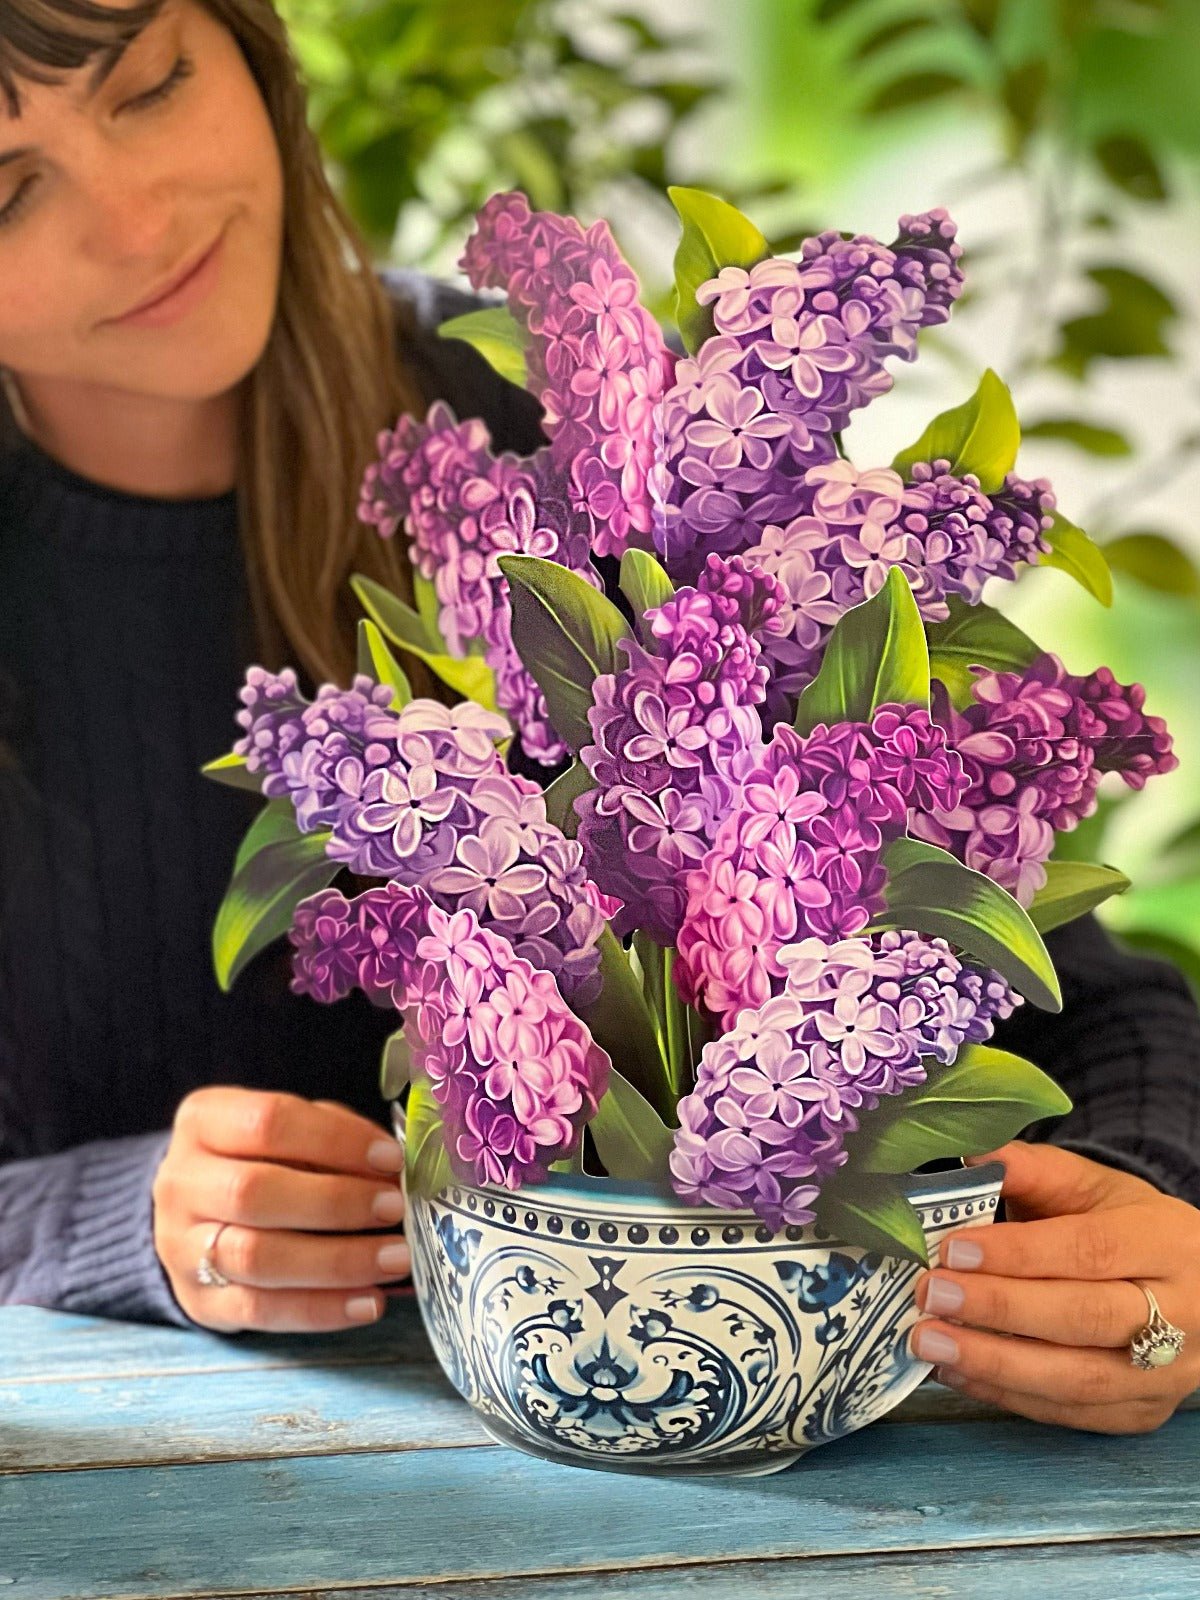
(207, 1272)
(1159, 1342)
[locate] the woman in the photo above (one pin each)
(139, 1108)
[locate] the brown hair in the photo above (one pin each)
(331, 376)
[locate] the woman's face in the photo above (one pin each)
(123, 191)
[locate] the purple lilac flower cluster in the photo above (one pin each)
(422, 796)
(802, 852)
(777, 1094)
(463, 507)
(666, 729)
(1034, 746)
(514, 1070)
(596, 358)
(798, 346)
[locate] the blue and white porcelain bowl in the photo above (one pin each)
(606, 1324)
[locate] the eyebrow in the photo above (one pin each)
(107, 64)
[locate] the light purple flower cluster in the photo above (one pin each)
(1034, 746)
(777, 1094)
(596, 359)
(422, 796)
(802, 852)
(462, 507)
(798, 346)
(666, 729)
(514, 1070)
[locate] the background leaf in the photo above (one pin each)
(876, 654)
(1158, 562)
(1087, 436)
(981, 436)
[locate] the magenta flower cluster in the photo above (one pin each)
(1034, 746)
(514, 1071)
(801, 852)
(778, 1092)
(422, 796)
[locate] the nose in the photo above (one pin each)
(131, 210)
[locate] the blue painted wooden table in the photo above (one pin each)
(142, 1461)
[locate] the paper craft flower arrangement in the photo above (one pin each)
(755, 935)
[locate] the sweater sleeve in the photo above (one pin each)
(77, 1232)
(1126, 1048)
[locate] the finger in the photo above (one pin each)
(1070, 1376)
(260, 1194)
(272, 1258)
(322, 1135)
(1062, 1312)
(1095, 1247)
(242, 1306)
(1048, 1181)
(1135, 1417)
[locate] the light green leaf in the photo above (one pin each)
(429, 607)
(928, 891)
(498, 337)
(872, 1211)
(231, 770)
(1158, 562)
(275, 868)
(621, 1023)
(1073, 552)
(472, 677)
(645, 584)
(376, 661)
(980, 436)
(876, 654)
(1071, 889)
(562, 795)
(715, 235)
(631, 1138)
(975, 636)
(981, 1101)
(395, 1064)
(426, 1165)
(566, 634)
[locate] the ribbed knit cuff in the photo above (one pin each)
(109, 1265)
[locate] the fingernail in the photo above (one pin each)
(394, 1258)
(930, 1344)
(387, 1155)
(388, 1205)
(943, 1297)
(365, 1308)
(948, 1376)
(963, 1254)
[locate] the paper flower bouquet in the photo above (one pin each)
(743, 953)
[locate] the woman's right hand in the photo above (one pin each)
(272, 1165)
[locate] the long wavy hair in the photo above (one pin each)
(331, 376)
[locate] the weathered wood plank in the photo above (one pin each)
(432, 1515)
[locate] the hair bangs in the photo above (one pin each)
(41, 39)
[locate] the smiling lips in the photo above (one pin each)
(173, 287)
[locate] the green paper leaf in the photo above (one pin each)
(876, 654)
(429, 607)
(621, 1023)
(275, 868)
(975, 636)
(715, 235)
(980, 436)
(929, 891)
(566, 634)
(562, 795)
(1158, 562)
(498, 337)
(1087, 436)
(873, 1212)
(1071, 889)
(1073, 552)
(645, 584)
(395, 1064)
(982, 1100)
(426, 1164)
(376, 661)
(631, 1138)
(472, 677)
(231, 770)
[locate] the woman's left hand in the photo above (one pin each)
(1043, 1308)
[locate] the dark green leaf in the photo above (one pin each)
(276, 868)
(620, 1022)
(470, 677)
(566, 634)
(928, 891)
(715, 235)
(914, 89)
(980, 436)
(873, 1212)
(426, 1165)
(562, 795)
(1023, 92)
(395, 1064)
(832, 10)
(892, 32)
(982, 1100)
(1129, 162)
(1087, 436)
(376, 661)
(631, 1138)
(1071, 889)
(975, 636)
(231, 770)
(1156, 561)
(1074, 553)
(1129, 326)
(645, 584)
(876, 654)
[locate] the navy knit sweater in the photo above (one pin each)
(124, 637)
